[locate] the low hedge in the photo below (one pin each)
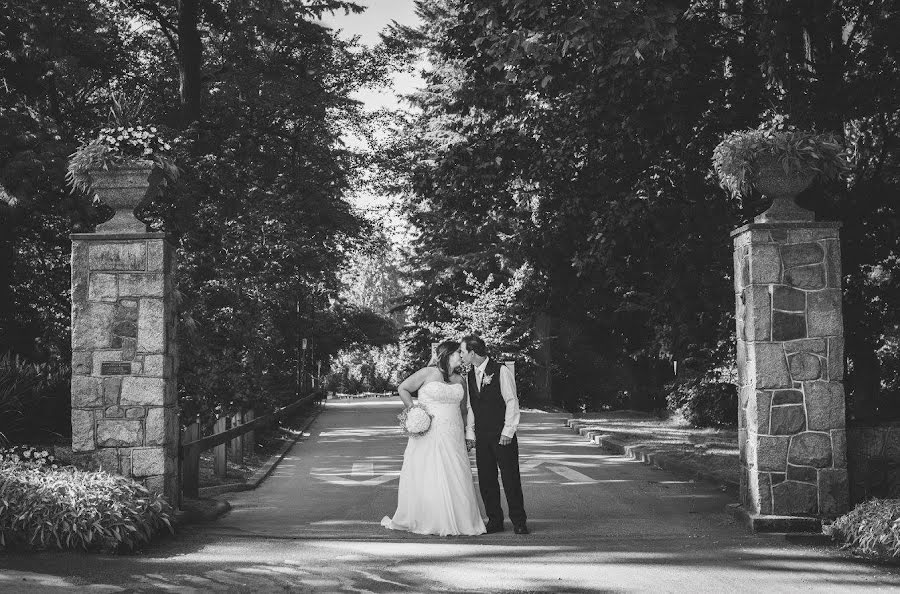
(42, 507)
(871, 529)
(705, 403)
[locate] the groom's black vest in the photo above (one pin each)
(488, 404)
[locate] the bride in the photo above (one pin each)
(436, 493)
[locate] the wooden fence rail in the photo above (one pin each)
(241, 437)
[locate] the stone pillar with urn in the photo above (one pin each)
(124, 361)
(790, 355)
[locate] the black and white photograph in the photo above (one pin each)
(475, 296)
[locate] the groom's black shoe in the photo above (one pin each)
(521, 529)
(492, 527)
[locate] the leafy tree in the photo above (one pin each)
(261, 218)
(55, 59)
(490, 309)
(260, 95)
(366, 369)
(373, 279)
(577, 138)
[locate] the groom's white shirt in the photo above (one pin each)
(508, 390)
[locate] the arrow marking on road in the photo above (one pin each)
(529, 466)
(363, 470)
(572, 475)
(375, 480)
(361, 475)
(564, 471)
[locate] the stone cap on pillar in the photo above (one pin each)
(787, 226)
(117, 236)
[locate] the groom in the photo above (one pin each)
(492, 398)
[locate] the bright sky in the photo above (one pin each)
(378, 15)
(368, 25)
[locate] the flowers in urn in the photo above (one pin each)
(121, 146)
(780, 161)
(124, 166)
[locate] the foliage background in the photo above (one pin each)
(557, 162)
(259, 94)
(576, 139)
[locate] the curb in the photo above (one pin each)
(206, 492)
(801, 529)
(266, 469)
(647, 455)
(263, 472)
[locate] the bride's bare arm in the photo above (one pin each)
(465, 410)
(414, 382)
(469, 420)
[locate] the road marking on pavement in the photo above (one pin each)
(363, 470)
(529, 466)
(571, 474)
(566, 472)
(361, 475)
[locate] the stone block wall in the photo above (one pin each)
(124, 363)
(790, 352)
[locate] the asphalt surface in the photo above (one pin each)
(599, 523)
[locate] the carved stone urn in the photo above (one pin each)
(782, 188)
(124, 188)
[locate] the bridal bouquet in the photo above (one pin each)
(415, 421)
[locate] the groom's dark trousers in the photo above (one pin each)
(489, 455)
(490, 410)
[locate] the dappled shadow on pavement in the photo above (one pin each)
(198, 562)
(600, 523)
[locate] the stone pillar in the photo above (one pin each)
(790, 354)
(124, 393)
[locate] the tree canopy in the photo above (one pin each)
(555, 169)
(259, 94)
(576, 139)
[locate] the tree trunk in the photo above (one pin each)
(7, 255)
(190, 60)
(13, 335)
(543, 375)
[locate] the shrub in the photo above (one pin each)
(44, 508)
(27, 457)
(871, 529)
(704, 402)
(366, 369)
(18, 381)
(34, 399)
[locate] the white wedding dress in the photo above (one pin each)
(436, 494)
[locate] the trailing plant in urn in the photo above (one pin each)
(779, 161)
(123, 166)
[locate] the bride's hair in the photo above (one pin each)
(441, 358)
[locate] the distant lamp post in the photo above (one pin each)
(304, 346)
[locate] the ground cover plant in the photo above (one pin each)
(871, 529)
(43, 506)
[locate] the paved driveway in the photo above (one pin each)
(600, 523)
